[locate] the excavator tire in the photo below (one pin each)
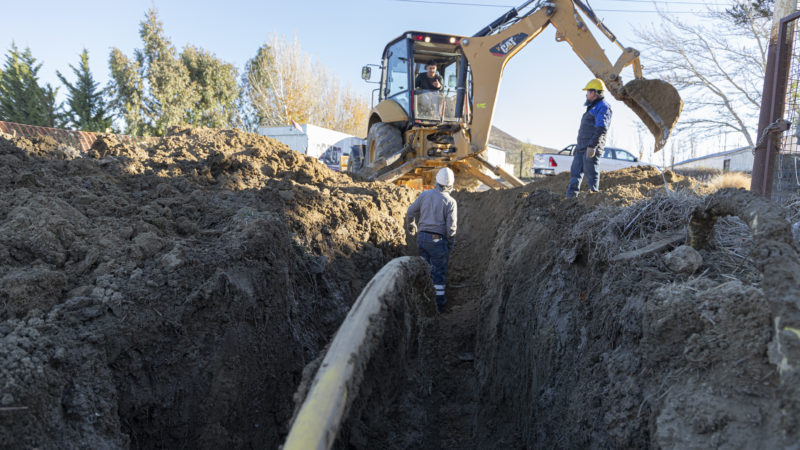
(386, 139)
(384, 145)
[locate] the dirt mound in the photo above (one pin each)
(168, 293)
(586, 338)
(622, 187)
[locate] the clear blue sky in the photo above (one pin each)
(540, 97)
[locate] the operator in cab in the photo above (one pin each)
(435, 213)
(591, 140)
(429, 80)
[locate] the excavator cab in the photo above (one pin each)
(405, 60)
(435, 105)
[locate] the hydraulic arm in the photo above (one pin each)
(656, 102)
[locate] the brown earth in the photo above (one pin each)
(169, 294)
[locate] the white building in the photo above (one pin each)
(736, 160)
(497, 157)
(314, 141)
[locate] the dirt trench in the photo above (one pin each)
(590, 323)
(170, 294)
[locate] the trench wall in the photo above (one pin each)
(578, 350)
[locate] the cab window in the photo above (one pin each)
(397, 76)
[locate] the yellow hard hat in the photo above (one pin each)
(596, 84)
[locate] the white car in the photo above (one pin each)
(553, 163)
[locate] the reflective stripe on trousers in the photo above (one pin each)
(436, 253)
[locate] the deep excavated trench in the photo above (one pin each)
(176, 294)
(567, 331)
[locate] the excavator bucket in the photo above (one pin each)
(657, 103)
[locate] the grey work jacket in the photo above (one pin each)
(437, 212)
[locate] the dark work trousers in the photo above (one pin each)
(434, 249)
(580, 165)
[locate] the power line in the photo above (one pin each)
(435, 2)
(651, 11)
(672, 2)
(441, 2)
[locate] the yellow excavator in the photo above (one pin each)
(414, 132)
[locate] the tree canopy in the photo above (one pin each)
(160, 88)
(88, 110)
(22, 98)
(283, 83)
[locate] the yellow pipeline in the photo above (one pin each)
(317, 423)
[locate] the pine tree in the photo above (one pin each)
(159, 88)
(22, 99)
(88, 110)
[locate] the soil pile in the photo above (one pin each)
(623, 187)
(168, 294)
(598, 329)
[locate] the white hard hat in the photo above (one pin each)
(445, 177)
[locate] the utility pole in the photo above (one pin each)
(772, 100)
(520, 163)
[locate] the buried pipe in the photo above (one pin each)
(336, 383)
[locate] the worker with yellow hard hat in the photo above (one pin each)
(591, 139)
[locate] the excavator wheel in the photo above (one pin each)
(384, 145)
(383, 140)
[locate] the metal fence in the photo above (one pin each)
(786, 180)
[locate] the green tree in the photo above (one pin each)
(88, 110)
(743, 14)
(257, 84)
(215, 83)
(127, 91)
(22, 99)
(158, 88)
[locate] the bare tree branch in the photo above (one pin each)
(717, 65)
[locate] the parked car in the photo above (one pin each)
(553, 163)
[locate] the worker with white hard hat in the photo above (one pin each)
(435, 214)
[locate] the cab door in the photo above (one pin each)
(397, 82)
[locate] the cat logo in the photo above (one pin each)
(507, 45)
